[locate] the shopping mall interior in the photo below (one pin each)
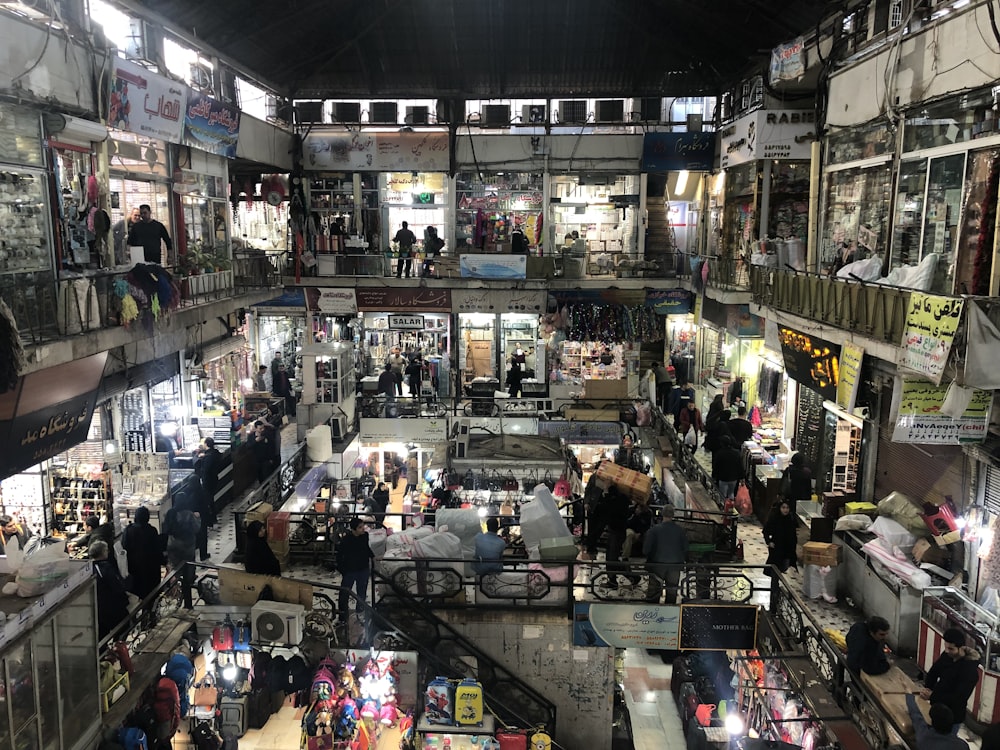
(499, 375)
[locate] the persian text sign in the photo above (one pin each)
(931, 323)
(145, 103)
(211, 125)
(332, 300)
(788, 61)
(672, 152)
(626, 625)
(918, 418)
(811, 361)
(377, 152)
(492, 266)
(851, 356)
(388, 299)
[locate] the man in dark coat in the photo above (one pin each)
(354, 556)
(866, 646)
(953, 677)
(182, 525)
(740, 428)
(207, 466)
(142, 546)
(112, 599)
(727, 467)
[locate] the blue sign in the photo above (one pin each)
(492, 266)
(626, 625)
(670, 301)
(211, 125)
(673, 152)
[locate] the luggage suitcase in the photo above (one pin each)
(513, 740)
(681, 673)
(541, 741)
(259, 707)
(439, 702)
(469, 703)
(233, 720)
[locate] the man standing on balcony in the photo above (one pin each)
(147, 233)
(405, 239)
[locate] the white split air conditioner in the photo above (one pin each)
(277, 622)
(75, 130)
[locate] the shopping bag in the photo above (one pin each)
(205, 692)
(744, 506)
(691, 438)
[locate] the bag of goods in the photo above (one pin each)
(892, 534)
(540, 518)
(900, 508)
(465, 524)
(41, 571)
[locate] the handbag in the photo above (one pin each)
(530, 480)
(469, 481)
(744, 505)
(548, 481)
(704, 713)
(561, 489)
(205, 692)
(510, 483)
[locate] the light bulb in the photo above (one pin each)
(734, 724)
(229, 673)
(483, 512)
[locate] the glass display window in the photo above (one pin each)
(856, 220)
(587, 222)
(789, 212)
(508, 200)
(974, 250)
(854, 144)
(956, 120)
(20, 136)
(127, 194)
(24, 230)
(80, 248)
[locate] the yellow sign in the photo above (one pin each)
(850, 374)
(917, 406)
(931, 323)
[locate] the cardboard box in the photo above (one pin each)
(925, 552)
(605, 389)
(665, 446)
(592, 415)
(239, 588)
(558, 549)
(258, 512)
(868, 509)
(637, 486)
(821, 553)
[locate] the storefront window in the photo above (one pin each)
(739, 219)
(789, 212)
(477, 346)
(418, 198)
(855, 225)
(974, 251)
(504, 200)
(77, 653)
(587, 224)
(855, 144)
(126, 196)
(520, 337)
(257, 224)
(906, 242)
(956, 120)
(165, 399)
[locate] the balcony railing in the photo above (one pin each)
(724, 272)
(874, 310)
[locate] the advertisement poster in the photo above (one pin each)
(742, 323)
(387, 299)
(851, 356)
(931, 323)
(211, 125)
(916, 406)
(811, 361)
(626, 625)
(476, 266)
(425, 430)
(378, 152)
(332, 300)
(718, 627)
(495, 300)
(674, 152)
(670, 301)
(770, 134)
(145, 103)
(788, 61)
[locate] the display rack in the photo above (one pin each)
(582, 360)
(23, 496)
(78, 491)
(505, 201)
(846, 455)
(327, 373)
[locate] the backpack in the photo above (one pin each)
(241, 636)
(205, 737)
(167, 703)
(222, 636)
(133, 738)
(324, 684)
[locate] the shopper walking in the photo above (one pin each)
(716, 430)
(141, 541)
(628, 455)
(680, 397)
(181, 526)
(727, 468)
(354, 558)
(866, 646)
(514, 376)
(414, 375)
(379, 503)
(112, 598)
(953, 677)
(740, 428)
(781, 537)
(148, 233)
(397, 363)
(663, 385)
(714, 409)
(387, 383)
(665, 548)
(262, 445)
(690, 419)
(207, 465)
(260, 558)
(405, 239)
(796, 482)
(282, 386)
(433, 245)
(412, 473)
(260, 380)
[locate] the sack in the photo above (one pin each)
(744, 506)
(691, 438)
(205, 692)
(205, 737)
(704, 713)
(308, 259)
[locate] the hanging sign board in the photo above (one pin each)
(718, 627)
(211, 125)
(626, 625)
(917, 418)
(767, 134)
(377, 152)
(494, 300)
(851, 356)
(492, 266)
(406, 322)
(582, 433)
(144, 103)
(931, 323)
(670, 301)
(811, 361)
(674, 152)
(788, 61)
(742, 323)
(388, 299)
(421, 430)
(332, 301)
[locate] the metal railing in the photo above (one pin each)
(724, 272)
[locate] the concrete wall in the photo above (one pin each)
(950, 55)
(65, 73)
(579, 681)
(263, 142)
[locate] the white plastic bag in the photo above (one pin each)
(42, 571)
(464, 523)
(674, 495)
(691, 438)
(540, 518)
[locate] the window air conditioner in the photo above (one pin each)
(495, 116)
(347, 112)
(651, 108)
(383, 113)
(201, 76)
(309, 111)
(573, 111)
(277, 622)
(610, 110)
(533, 114)
(417, 115)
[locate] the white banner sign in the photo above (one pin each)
(493, 266)
(767, 134)
(406, 322)
(494, 300)
(336, 301)
(377, 152)
(918, 418)
(423, 430)
(145, 103)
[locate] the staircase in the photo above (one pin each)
(660, 245)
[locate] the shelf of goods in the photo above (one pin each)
(145, 482)
(946, 607)
(22, 217)
(583, 360)
(77, 492)
(327, 373)
(23, 497)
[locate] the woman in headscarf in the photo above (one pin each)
(259, 555)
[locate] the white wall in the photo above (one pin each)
(65, 73)
(950, 55)
(263, 142)
(617, 153)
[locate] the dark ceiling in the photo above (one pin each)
(494, 49)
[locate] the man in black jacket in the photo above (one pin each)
(207, 466)
(866, 646)
(953, 677)
(147, 233)
(354, 557)
(740, 428)
(112, 599)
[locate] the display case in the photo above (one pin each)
(78, 491)
(504, 200)
(438, 737)
(856, 198)
(582, 360)
(327, 373)
(23, 496)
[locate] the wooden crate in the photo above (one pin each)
(821, 553)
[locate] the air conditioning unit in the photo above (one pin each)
(277, 622)
(383, 113)
(573, 111)
(495, 116)
(417, 115)
(650, 109)
(144, 41)
(278, 110)
(610, 110)
(229, 92)
(201, 76)
(695, 121)
(338, 426)
(533, 114)
(309, 111)
(347, 112)
(450, 111)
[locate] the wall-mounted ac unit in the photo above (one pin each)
(695, 121)
(450, 110)
(277, 622)
(495, 116)
(650, 109)
(383, 113)
(309, 111)
(417, 115)
(229, 92)
(338, 426)
(573, 111)
(533, 114)
(347, 111)
(610, 110)
(144, 41)
(200, 76)
(278, 110)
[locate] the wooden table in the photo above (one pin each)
(889, 690)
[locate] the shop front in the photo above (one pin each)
(403, 453)
(499, 212)
(278, 328)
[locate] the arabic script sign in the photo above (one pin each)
(931, 323)
(402, 300)
(211, 125)
(918, 418)
(377, 152)
(144, 103)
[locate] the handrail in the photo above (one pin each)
(163, 600)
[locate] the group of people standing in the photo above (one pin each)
(406, 242)
(390, 381)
